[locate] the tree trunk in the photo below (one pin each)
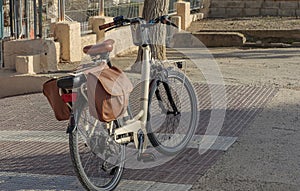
(205, 8)
(153, 9)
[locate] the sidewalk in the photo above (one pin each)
(266, 156)
(257, 147)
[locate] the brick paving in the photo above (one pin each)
(31, 113)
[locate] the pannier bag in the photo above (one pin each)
(60, 108)
(108, 93)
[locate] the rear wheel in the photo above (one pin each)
(172, 117)
(98, 160)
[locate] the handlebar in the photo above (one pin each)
(107, 25)
(120, 21)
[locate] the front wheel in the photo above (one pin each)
(98, 160)
(172, 116)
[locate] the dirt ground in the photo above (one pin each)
(230, 24)
(278, 67)
(253, 23)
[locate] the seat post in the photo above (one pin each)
(105, 56)
(108, 62)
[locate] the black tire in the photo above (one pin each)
(88, 154)
(167, 131)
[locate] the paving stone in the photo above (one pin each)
(26, 181)
(33, 142)
(167, 187)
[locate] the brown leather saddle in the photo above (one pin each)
(69, 82)
(97, 49)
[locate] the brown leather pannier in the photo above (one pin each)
(60, 108)
(108, 93)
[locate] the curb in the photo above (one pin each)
(256, 38)
(13, 84)
(209, 39)
(221, 39)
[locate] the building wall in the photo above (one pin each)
(249, 8)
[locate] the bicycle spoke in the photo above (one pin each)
(89, 148)
(170, 131)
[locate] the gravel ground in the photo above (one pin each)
(253, 23)
(277, 67)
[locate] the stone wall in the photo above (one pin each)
(121, 36)
(87, 40)
(45, 50)
(250, 8)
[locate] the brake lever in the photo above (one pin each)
(165, 20)
(172, 24)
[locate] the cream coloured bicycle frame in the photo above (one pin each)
(140, 120)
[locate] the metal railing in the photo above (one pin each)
(80, 11)
(125, 9)
(76, 10)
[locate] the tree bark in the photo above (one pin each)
(153, 9)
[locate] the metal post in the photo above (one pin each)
(16, 18)
(101, 7)
(34, 18)
(1, 20)
(11, 20)
(40, 19)
(1, 55)
(61, 10)
(1, 31)
(58, 10)
(27, 20)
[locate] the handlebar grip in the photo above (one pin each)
(172, 24)
(107, 25)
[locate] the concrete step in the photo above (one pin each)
(12, 83)
(209, 39)
(274, 36)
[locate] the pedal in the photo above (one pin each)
(106, 167)
(146, 157)
(142, 156)
(140, 144)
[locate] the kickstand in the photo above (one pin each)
(142, 156)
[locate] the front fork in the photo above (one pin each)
(169, 96)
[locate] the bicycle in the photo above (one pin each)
(168, 101)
